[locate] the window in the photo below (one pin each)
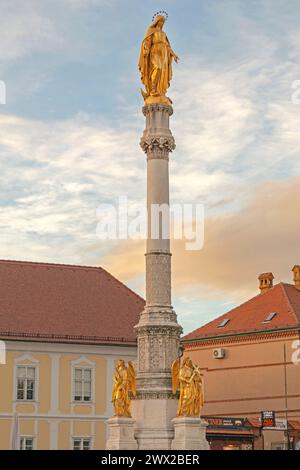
(82, 384)
(26, 377)
(223, 323)
(81, 443)
(26, 443)
(270, 317)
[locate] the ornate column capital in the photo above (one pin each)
(157, 146)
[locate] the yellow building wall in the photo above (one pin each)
(65, 383)
(100, 438)
(26, 427)
(40, 427)
(44, 382)
(64, 437)
(5, 434)
(6, 383)
(82, 428)
(100, 377)
(43, 435)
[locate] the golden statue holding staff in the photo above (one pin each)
(155, 62)
(124, 383)
(189, 380)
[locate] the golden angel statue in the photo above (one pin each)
(155, 62)
(124, 383)
(189, 380)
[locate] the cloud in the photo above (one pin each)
(24, 30)
(263, 236)
(54, 176)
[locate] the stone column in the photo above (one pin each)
(157, 331)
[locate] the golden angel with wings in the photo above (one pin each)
(124, 384)
(188, 379)
(155, 63)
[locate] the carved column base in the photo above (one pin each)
(154, 430)
(121, 434)
(189, 434)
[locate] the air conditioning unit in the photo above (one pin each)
(219, 353)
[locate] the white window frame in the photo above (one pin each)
(26, 379)
(81, 439)
(83, 363)
(23, 438)
(26, 361)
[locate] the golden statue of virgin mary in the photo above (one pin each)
(155, 63)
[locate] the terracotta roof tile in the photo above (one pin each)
(284, 299)
(65, 303)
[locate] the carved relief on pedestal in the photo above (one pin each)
(142, 353)
(157, 347)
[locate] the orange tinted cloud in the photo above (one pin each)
(262, 236)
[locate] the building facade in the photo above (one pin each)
(250, 357)
(63, 328)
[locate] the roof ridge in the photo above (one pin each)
(288, 300)
(71, 266)
(54, 265)
(123, 284)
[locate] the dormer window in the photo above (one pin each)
(270, 317)
(223, 323)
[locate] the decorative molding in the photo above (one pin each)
(68, 348)
(157, 146)
(172, 331)
(163, 108)
(153, 395)
(237, 400)
(54, 399)
(238, 338)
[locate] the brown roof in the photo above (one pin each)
(284, 299)
(64, 303)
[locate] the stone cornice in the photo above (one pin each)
(150, 108)
(241, 337)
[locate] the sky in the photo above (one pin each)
(71, 125)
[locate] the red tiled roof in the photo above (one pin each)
(284, 299)
(64, 303)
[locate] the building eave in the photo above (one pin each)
(240, 334)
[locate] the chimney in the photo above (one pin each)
(265, 282)
(296, 271)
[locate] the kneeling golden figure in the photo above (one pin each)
(124, 384)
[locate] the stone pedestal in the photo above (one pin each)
(121, 433)
(189, 434)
